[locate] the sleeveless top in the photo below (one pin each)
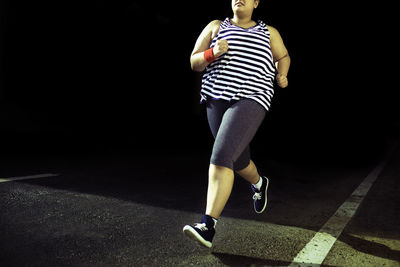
(246, 70)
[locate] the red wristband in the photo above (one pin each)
(209, 55)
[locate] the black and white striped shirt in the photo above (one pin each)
(246, 70)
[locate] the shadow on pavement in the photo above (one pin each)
(370, 247)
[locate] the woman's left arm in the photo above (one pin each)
(281, 57)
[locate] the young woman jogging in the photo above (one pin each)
(241, 59)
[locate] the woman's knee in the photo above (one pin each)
(220, 168)
(220, 158)
(217, 172)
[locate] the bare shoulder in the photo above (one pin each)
(272, 30)
(213, 27)
(274, 34)
(215, 23)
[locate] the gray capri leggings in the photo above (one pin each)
(233, 125)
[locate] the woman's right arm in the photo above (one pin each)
(197, 61)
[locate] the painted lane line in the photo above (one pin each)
(37, 176)
(314, 253)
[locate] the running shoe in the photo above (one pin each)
(260, 196)
(202, 232)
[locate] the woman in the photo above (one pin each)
(241, 57)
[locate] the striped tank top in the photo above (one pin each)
(246, 70)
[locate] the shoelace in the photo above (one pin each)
(257, 196)
(201, 226)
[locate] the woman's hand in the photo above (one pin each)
(282, 80)
(220, 48)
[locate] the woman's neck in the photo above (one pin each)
(242, 21)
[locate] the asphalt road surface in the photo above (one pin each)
(129, 211)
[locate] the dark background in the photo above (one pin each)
(114, 77)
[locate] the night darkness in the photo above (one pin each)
(105, 77)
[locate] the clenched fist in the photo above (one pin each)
(282, 80)
(220, 48)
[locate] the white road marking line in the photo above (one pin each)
(314, 253)
(37, 176)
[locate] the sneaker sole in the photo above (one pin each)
(266, 198)
(192, 234)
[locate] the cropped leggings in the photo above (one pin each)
(233, 125)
